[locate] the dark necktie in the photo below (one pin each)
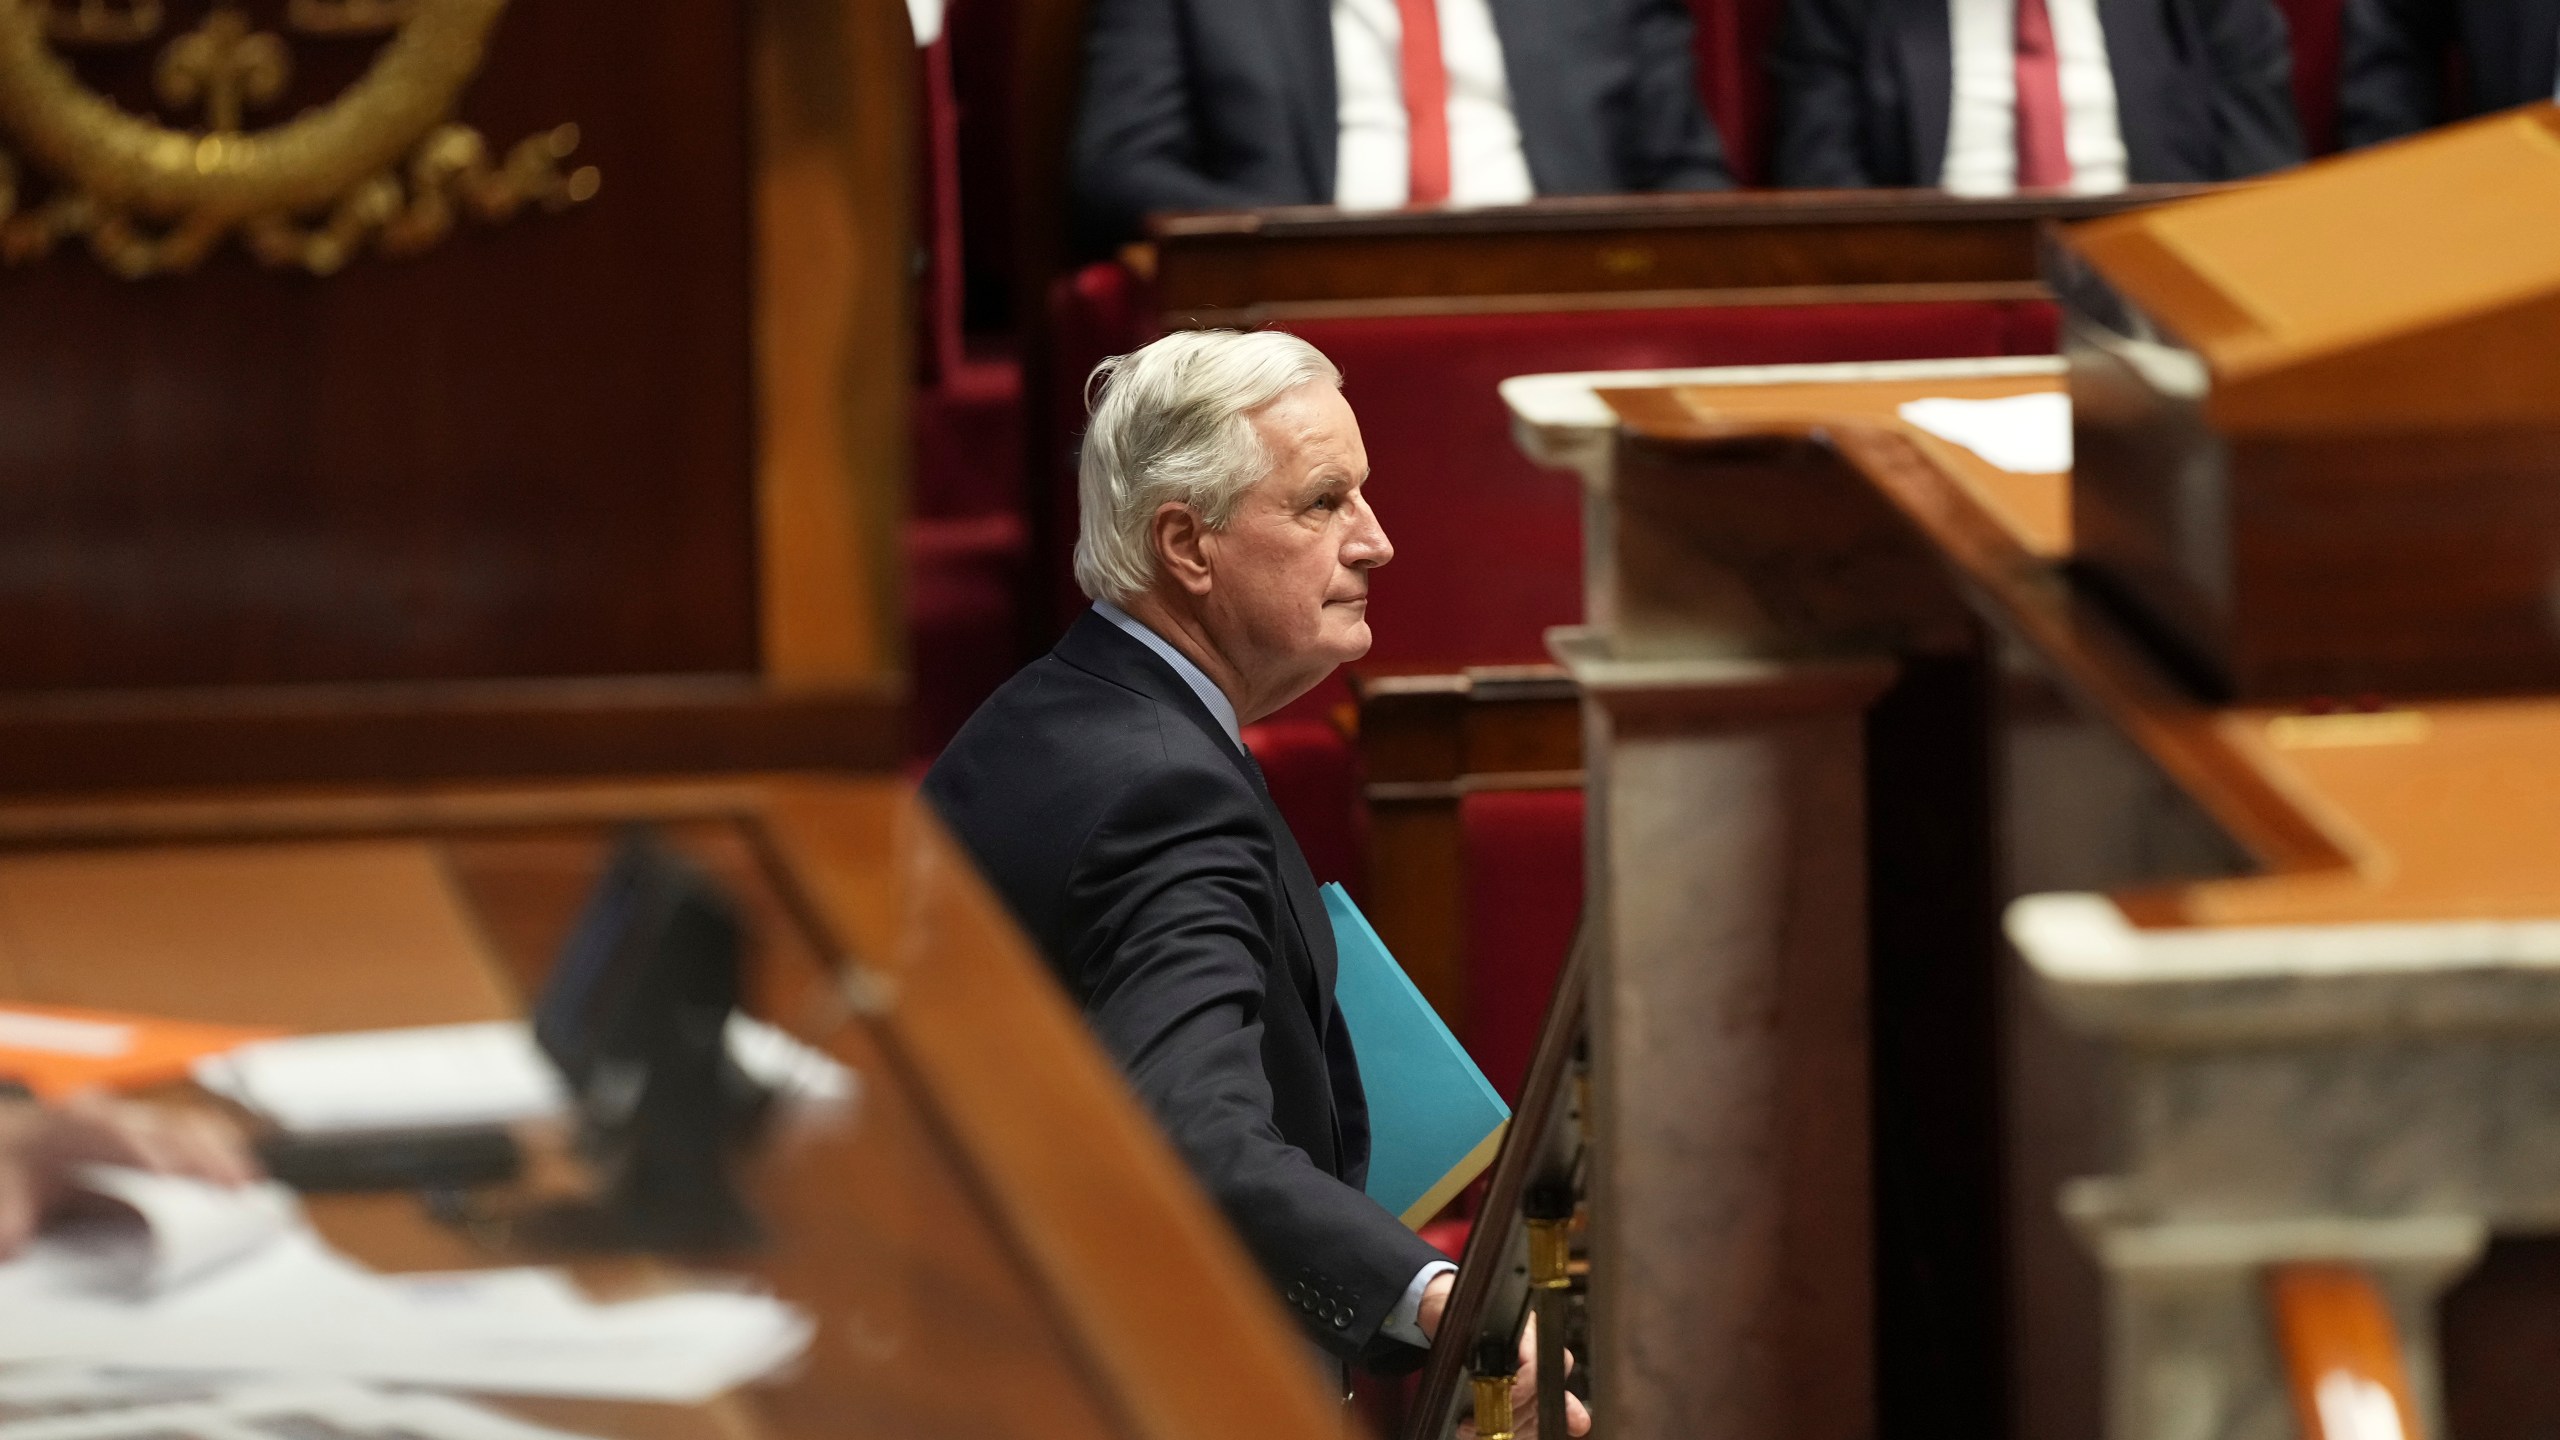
(2044, 163)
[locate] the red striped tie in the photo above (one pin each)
(1426, 103)
(2043, 160)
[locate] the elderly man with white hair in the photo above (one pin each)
(1106, 792)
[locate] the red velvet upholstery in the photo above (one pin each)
(964, 580)
(1315, 781)
(1522, 852)
(1095, 313)
(967, 546)
(1489, 545)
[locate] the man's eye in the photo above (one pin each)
(1329, 502)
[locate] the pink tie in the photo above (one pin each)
(1426, 102)
(2043, 161)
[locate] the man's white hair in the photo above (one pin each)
(1174, 422)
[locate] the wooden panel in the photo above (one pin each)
(2271, 283)
(2023, 593)
(1426, 738)
(928, 1326)
(245, 735)
(1095, 1201)
(1251, 266)
(835, 188)
(989, 1250)
(523, 453)
(341, 935)
(1417, 881)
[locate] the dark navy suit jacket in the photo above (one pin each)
(2391, 72)
(1217, 104)
(1139, 848)
(2204, 90)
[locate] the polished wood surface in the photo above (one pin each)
(521, 453)
(296, 734)
(647, 444)
(2341, 1352)
(1545, 1141)
(1259, 266)
(2335, 477)
(2391, 288)
(1427, 739)
(2436, 810)
(835, 225)
(988, 1249)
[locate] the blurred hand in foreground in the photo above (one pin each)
(42, 1145)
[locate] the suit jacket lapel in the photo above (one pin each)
(1302, 36)
(1929, 80)
(1531, 67)
(1097, 646)
(2150, 144)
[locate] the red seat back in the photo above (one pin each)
(1489, 544)
(1522, 850)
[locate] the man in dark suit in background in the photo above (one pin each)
(1226, 540)
(1212, 104)
(1994, 96)
(2393, 53)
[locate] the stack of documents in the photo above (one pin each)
(95, 1403)
(437, 1076)
(191, 1276)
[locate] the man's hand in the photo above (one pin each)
(1524, 1386)
(40, 1145)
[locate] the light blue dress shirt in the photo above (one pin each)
(1401, 1323)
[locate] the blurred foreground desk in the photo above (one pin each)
(1844, 698)
(999, 1244)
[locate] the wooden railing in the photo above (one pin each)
(2342, 1355)
(1518, 1260)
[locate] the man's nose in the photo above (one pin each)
(1369, 546)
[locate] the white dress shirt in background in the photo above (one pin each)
(1982, 117)
(1371, 168)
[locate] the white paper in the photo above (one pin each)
(777, 1060)
(62, 1035)
(294, 1306)
(926, 17)
(422, 1078)
(118, 1404)
(166, 1230)
(2027, 434)
(455, 1075)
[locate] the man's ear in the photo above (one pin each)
(1181, 544)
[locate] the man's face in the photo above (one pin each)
(1290, 597)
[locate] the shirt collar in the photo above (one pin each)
(1221, 708)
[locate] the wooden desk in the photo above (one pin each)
(999, 1244)
(1254, 267)
(2313, 947)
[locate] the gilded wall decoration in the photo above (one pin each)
(383, 162)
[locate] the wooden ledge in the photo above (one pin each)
(2435, 815)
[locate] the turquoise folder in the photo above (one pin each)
(1434, 1120)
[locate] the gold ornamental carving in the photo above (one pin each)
(382, 163)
